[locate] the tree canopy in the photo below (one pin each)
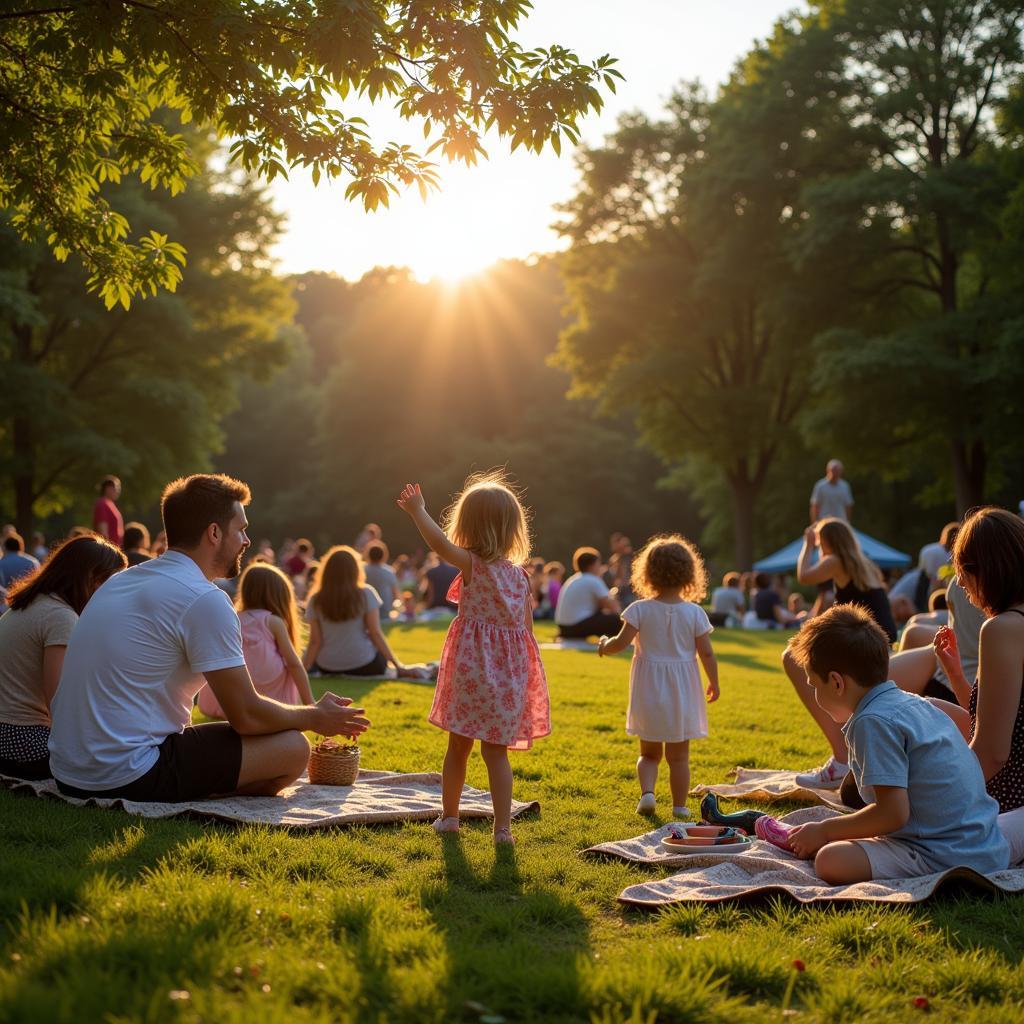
(820, 255)
(137, 392)
(82, 84)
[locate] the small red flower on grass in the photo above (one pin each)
(921, 1003)
(799, 965)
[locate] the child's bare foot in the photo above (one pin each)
(503, 835)
(446, 825)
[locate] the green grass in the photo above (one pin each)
(110, 918)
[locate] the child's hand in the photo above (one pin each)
(806, 840)
(811, 537)
(713, 692)
(600, 646)
(411, 499)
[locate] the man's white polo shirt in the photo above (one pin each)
(133, 667)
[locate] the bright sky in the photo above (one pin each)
(503, 207)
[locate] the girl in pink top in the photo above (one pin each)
(269, 618)
(490, 685)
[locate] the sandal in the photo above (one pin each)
(446, 825)
(503, 835)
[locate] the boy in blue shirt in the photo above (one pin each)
(927, 808)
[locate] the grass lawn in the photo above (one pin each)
(110, 918)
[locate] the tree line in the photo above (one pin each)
(823, 259)
(828, 254)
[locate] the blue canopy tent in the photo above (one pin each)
(885, 557)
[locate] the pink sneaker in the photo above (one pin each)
(771, 830)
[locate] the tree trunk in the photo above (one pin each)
(23, 444)
(969, 466)
(744, 495)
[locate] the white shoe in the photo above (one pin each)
(829, 776)
(681, 812)
(647, 805)
(446, 825)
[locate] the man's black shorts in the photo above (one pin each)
(202, 761)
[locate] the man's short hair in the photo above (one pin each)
(13, 542)
(191, 503)
(731, 579)
(109, 481)
(303, 546)
(948, 536)
(135, 536)
(845, 639)
(377, 552)
(583, 559)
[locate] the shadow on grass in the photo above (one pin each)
(514, 950)
(51, 850)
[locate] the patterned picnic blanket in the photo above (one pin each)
(765, 870)
(375, 797)
(757, 785)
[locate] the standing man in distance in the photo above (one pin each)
(106, 516)
(148, 641)
(832, 497)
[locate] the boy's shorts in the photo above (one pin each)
(894, 858)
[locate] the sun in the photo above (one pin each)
(452, 259)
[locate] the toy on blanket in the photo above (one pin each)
(334, 764)
(713, 815)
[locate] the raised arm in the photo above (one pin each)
(806, 572)
(411, 502)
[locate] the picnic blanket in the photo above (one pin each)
(758, 785)
(376, 797)
(766, 870)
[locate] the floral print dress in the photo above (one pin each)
(491, 684)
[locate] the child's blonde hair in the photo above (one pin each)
(669, 562)
(338, 587)
(265, 587)
(488, 519)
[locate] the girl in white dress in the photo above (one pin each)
(670, 632)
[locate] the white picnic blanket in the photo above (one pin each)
(758, 785)
(375, 797)
(766, 870)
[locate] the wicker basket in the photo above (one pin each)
(333, 764)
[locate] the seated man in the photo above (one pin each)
(585, 604)
(147, 642)
(727, 602)
(927, 809)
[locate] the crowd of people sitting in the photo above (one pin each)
(103, 666)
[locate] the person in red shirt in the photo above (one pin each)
(296, 565)
(106, 518)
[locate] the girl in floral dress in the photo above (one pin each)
(490, 685)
